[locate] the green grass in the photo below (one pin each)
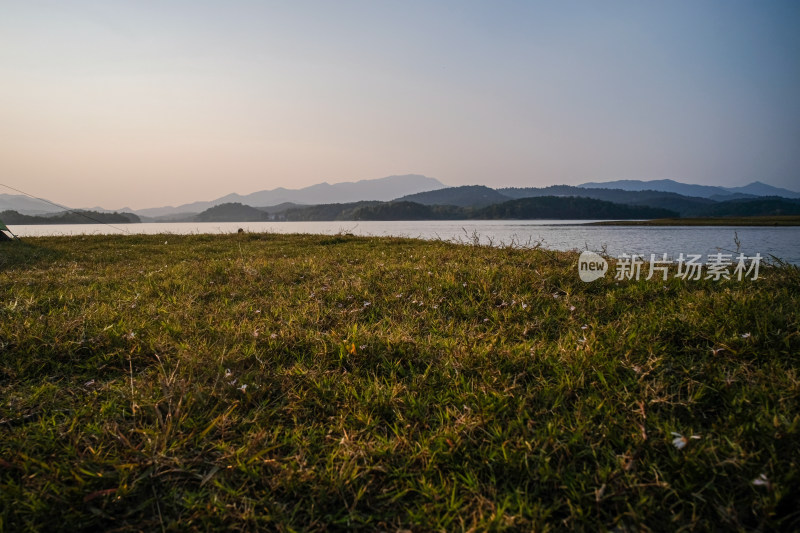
(390, 384)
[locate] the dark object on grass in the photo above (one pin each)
(5, 233)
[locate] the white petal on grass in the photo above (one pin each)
(680, 441)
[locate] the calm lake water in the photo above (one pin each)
(781, 242)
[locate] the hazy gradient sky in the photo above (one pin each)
(148, 103)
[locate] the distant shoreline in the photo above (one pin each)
(789, 220)
(762, 221)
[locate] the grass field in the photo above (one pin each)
(311, 383)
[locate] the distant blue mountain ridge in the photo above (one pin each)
(754, 189)
(430, 191)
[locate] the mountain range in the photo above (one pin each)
(683, 199)
(702, 191)
(381, 189)
(26, 205)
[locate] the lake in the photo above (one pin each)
(781, 242)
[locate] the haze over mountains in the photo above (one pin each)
(755, 188)
(26, 205)
(360, 198)
(381, 189)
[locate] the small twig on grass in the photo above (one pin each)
(133, 400)
(158, 507)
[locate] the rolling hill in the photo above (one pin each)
(687, 189)
(569, 207)
(69, 217)
(424, 198)
(232, 212)
(381, 189)
(683, 205)
(546, 207)
(464, 196)
(26, 205)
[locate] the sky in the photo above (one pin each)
(150, 103)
